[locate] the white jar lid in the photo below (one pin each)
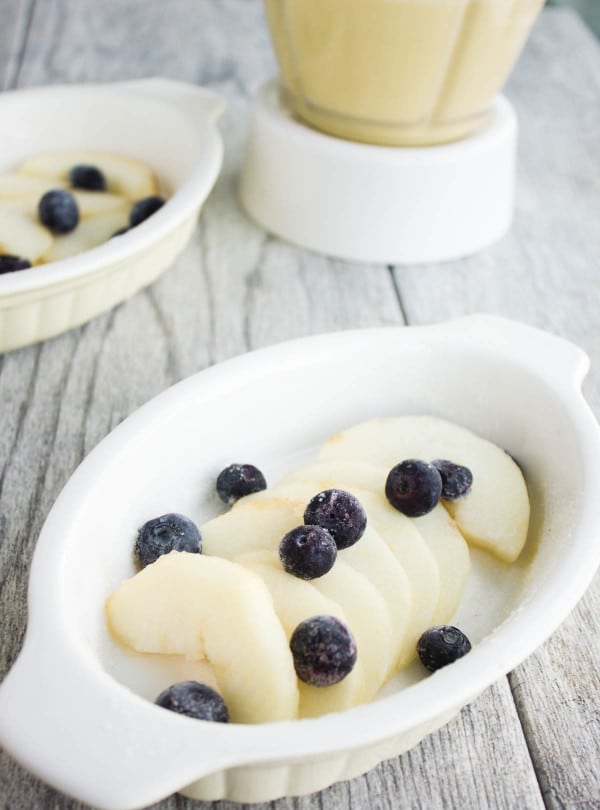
(378, 203)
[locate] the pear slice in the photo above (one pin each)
(124, 175)
(88, 234)
(495, 513)
(13, 184)
(451, 553)
(26, 204)
(296, 600)
(94, 203)
(21, 236)
(252, 524)
(205, 607)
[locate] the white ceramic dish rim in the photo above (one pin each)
(195, 106)
(226, 746)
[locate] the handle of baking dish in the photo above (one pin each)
(190, 98)
(73, 726)
(553, 357)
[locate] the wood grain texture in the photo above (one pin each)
(546, 272)
(236, 289)
(14, 27)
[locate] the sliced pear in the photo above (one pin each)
(357, 473)
(205, 607)
(88, 234)
(398, 532)
(451, 553)
(13, 184)
(493, 516)
(124, 175)
(372, 557)
(89, 203)
(25, 204)
(21, 236)
(93, 203)
(296, 600)
(252, 524)
(259, 522)
(368, 619)
(437, 529)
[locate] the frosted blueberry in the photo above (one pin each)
(456, 479)
(340, 512)
(194, 699)
(442, 645)
(161, 535)
(413, 487)
(323, 649)
(307, 552)
(238, 480)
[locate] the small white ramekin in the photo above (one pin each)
(66, 714)
(169, 125)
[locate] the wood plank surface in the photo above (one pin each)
(14, 25)
(235, 289)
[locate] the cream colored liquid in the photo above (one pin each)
(397, 71)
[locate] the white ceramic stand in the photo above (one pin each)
(376, 203)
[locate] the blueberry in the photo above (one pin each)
(144, 208)
(58, 211)
(308, 552)
(87, 177)
(340, 513)
(441, 645)
(194, 699)
(238, 480)
(413, 487)
(120, 232)
(323, 649)
(9, 263)
(456, 479)
(171, 532)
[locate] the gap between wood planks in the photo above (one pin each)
(12, 81)
(396, 288)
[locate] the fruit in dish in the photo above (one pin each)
(238, 480)
(337, 631)
(307, 552)
(87, 176)
(209, 608)
(161, 535)
(442, 645)
(413, 487)
(59, 204)
(340, 513)
(323, 649)
(58, 211)
(194, 699)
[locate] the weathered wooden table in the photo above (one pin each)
(532, 739)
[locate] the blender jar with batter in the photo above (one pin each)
(397, 72)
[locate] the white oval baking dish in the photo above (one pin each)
(68, 711)
(169, 125)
